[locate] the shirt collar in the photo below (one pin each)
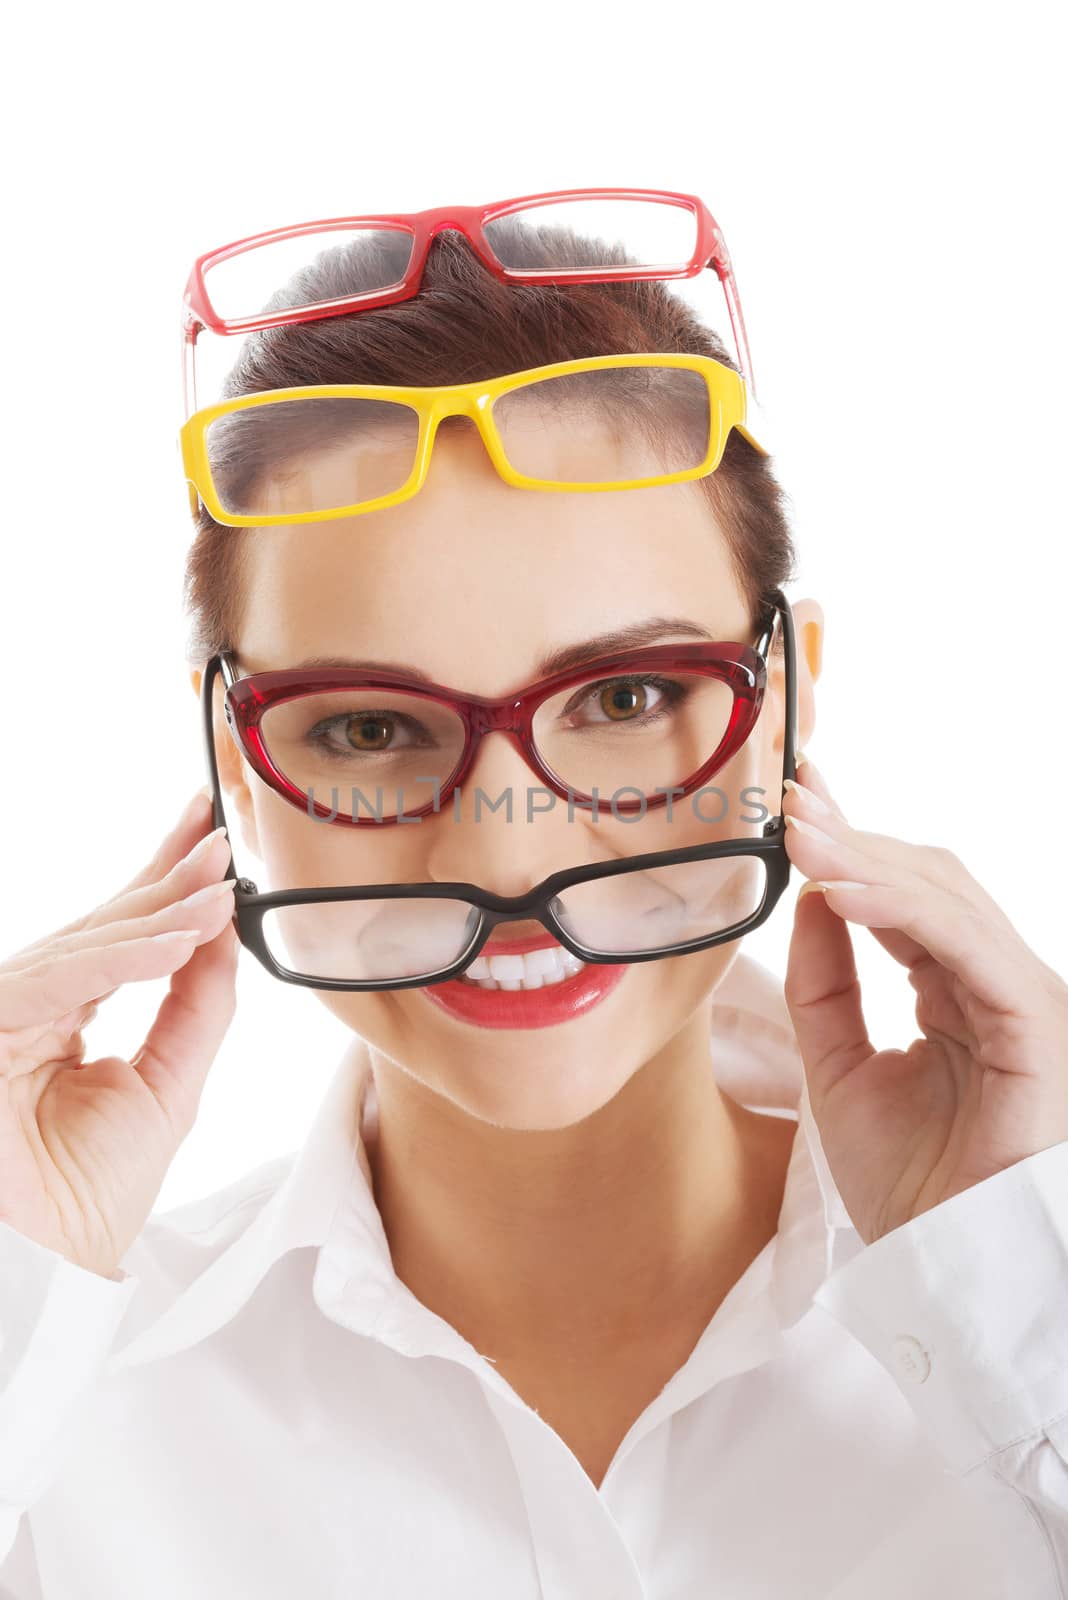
(326, 1198)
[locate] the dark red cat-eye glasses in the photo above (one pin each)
(364, 747)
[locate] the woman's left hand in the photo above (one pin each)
(986, 1082)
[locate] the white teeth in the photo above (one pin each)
(505, 967)
(535, 969)
(546, 960)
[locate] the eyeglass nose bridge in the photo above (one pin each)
(467, 221)
(459, 400)
(506, 718)
(458, 218)
(497, 717)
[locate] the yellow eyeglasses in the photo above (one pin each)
(336, 450)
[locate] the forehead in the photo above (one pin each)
(474, 573)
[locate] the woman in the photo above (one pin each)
(544, 1306)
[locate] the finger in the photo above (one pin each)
(939, 864)
(202, 865)
(183, 1041)
(198, 870)
(57, 983)
(812, 778)
(938, 1013)
(993, 967)
(194, 822)
(78, 1016)
(822, 993)
(833, 852)
(33, 1049)
(191, 826)
(805, 804)
(928, 862)
(188, 912)
(41, 994)
(923, 966)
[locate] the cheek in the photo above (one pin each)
(734, 803)
(302, 852)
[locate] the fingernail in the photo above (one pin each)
(806, 827)
(808, 888)
(199, 805)
(201, 848)
(812, 773)
(811, 799)
(210, 892)
(822, 885)
(175, 934)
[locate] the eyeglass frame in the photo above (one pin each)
(434, 402)
(741, 667)
(710, 251)
(251, 906)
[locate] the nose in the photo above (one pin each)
(503, 829)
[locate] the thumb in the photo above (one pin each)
(822, 992)
(182, 1043)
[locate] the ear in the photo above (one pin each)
(234, 772)
(808, 631)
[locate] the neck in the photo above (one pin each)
(640, 1215)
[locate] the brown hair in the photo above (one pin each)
(464, 325)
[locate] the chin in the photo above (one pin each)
(542, 1074)
(559, 1090)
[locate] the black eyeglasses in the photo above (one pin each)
(402, 936)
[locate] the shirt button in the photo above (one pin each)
(912, 1359)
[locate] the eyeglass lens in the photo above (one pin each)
(380, 752)
(582, 235)
(624, 914)
(615, 424)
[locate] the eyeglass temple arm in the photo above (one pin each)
(789, 650)
(734, 307)
(721, 262)
(218, 815)
(190, 328)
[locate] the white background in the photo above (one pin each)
(891, 184)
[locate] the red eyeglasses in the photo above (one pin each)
(618, 235)
(626, 729)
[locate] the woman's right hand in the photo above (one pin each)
(85, 1145)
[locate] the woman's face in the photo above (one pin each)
(475, 583)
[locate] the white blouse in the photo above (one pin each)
(258, 1406)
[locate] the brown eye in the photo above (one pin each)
(369, 733)
(622, 700)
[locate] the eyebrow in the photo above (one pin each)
(567, 656)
